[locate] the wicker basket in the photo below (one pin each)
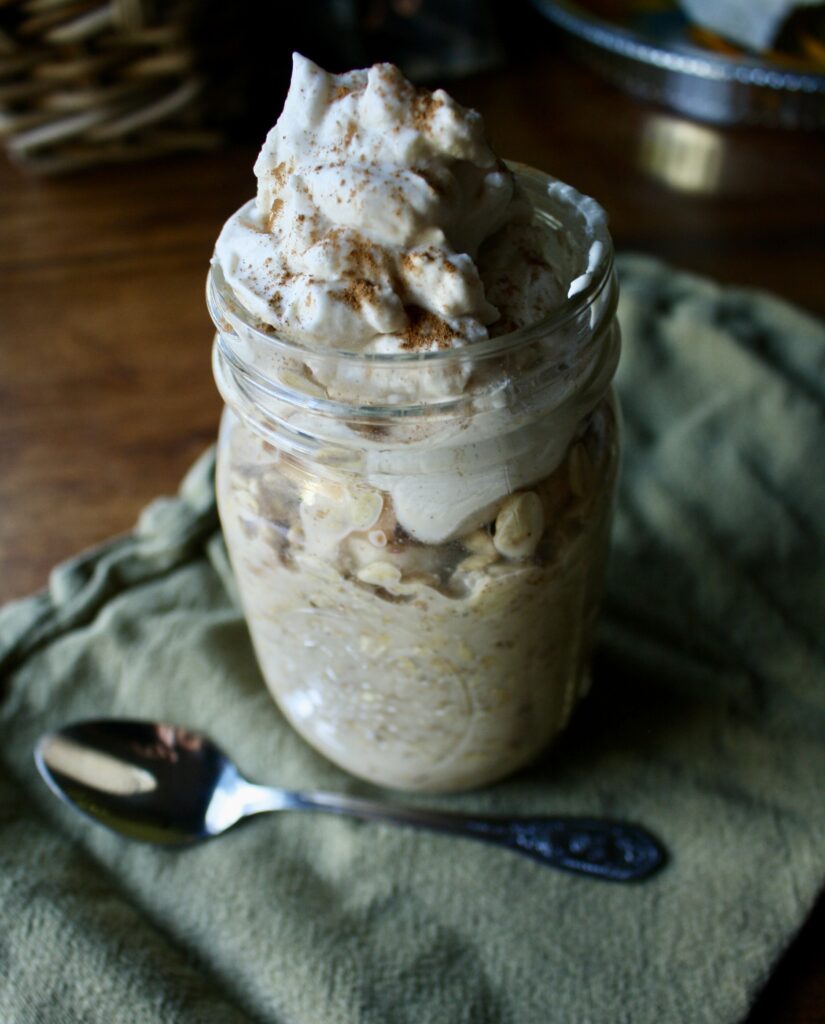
(84, 82)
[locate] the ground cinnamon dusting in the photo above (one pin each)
(425, 330)
(356, 294)
(279, 173)
(363, 258)
(424, 107)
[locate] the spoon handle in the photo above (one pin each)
(613, 850)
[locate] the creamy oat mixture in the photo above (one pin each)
(424, 622)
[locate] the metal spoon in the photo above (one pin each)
(164, 784)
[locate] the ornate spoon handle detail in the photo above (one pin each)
(613, 850)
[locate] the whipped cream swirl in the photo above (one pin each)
(374, 199)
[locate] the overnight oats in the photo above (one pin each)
(415, 344)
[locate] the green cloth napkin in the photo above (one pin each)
(706, 722)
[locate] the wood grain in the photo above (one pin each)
(106, 393)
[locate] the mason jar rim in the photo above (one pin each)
(225, 308)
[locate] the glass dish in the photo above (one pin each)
(421, 577)
(667, 68)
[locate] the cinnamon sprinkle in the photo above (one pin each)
(425, 330)
(279, 173)
(360, 258)
(424, 107)
(363, 260)
(356, 294)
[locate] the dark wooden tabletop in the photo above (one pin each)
(106, 393)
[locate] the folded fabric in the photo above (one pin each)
(706, 722)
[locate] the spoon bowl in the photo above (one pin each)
(147, 780)
(160, 783)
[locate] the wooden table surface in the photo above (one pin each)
(106, 393)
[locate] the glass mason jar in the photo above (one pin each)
(421, 570)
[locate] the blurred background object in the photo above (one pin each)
(654, 50)
(686, 156)
(84, 82)
(245, 47)
(753, 24)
